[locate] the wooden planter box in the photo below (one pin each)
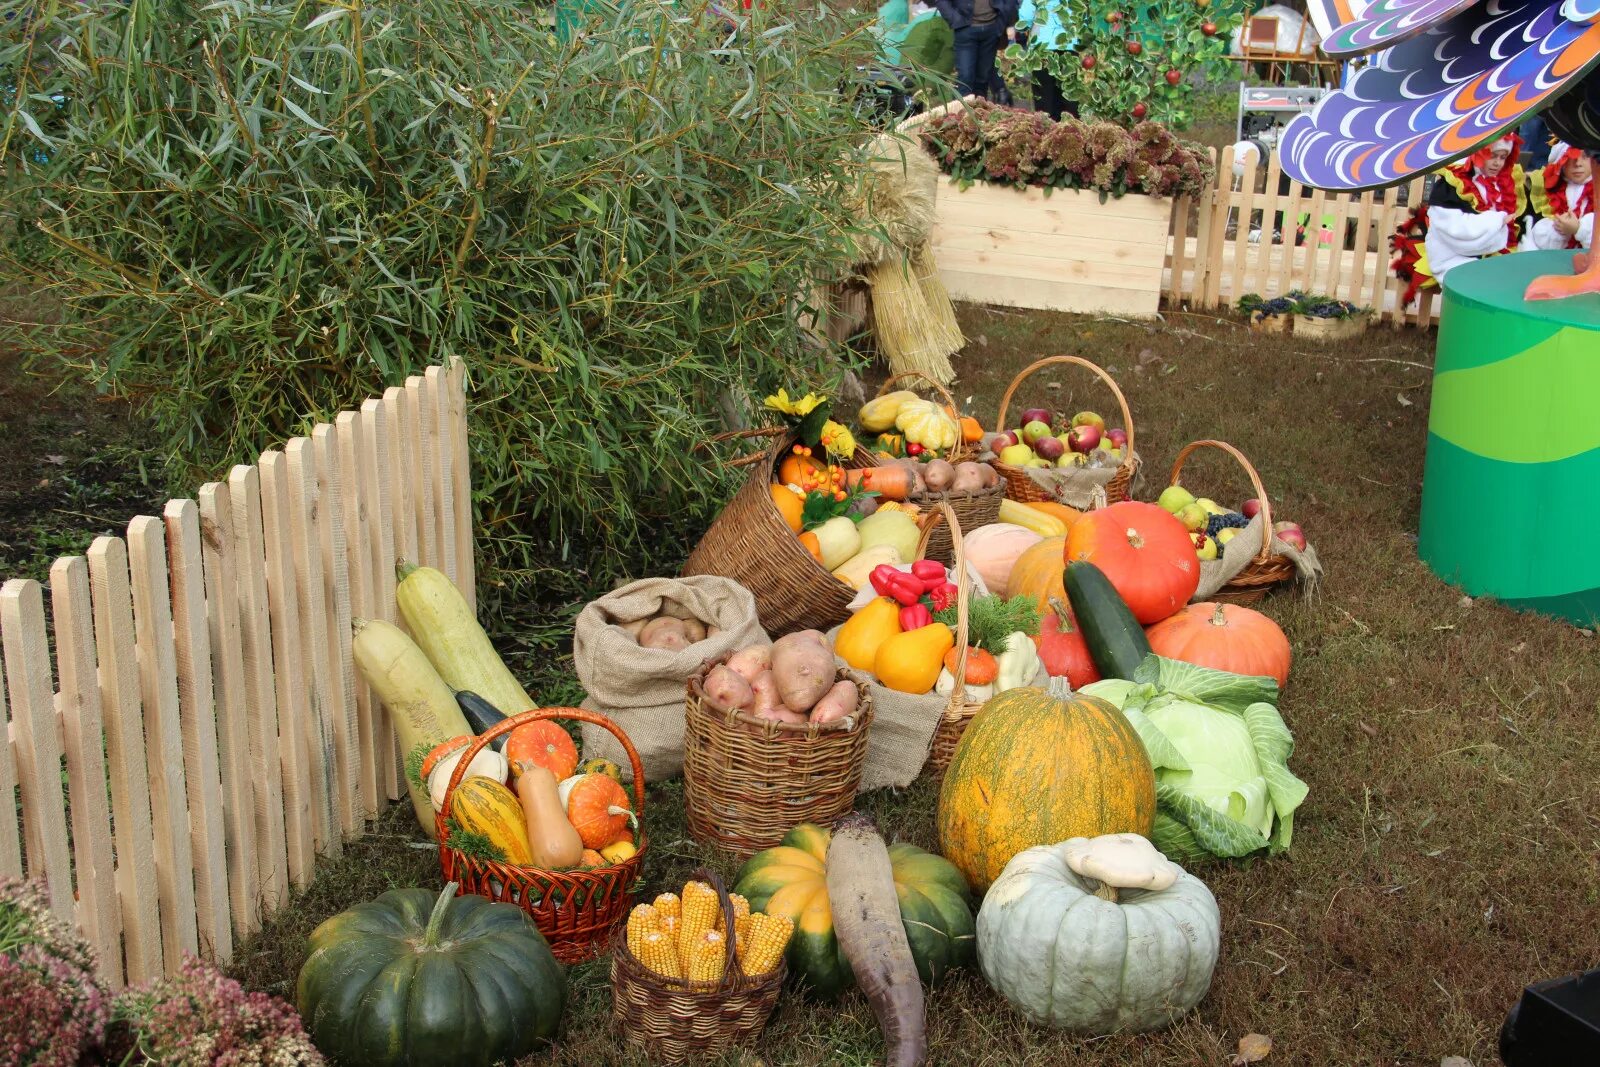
(1062, 252)
(1315, 329)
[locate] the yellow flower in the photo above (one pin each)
(838, 440)
(799, 407)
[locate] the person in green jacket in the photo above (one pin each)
(1040, 21)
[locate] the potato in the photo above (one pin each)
(969, 477)
(803, 667)
(782, 714)
(991, 477)
(939, 475)
(712, 630)
(836, 703)
(767, 701)
(694, 630)
(664, 632)
(751, 662)
(812, 635)
(632, 628)
(919, 480)
(727, 690)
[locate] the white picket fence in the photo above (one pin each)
(203, 735)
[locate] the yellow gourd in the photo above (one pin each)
(859, 639)
(910, 661)
(553, 842)
(486, 807)
(878, 415)
(790, 505)
(927, 424)
(837, 540)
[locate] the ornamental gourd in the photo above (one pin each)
(1226, 637)
(790, 880)
(879, 413)
(1037, 766)
(927, 424)
(1146, 554)
(1099, 936)
(423, 979)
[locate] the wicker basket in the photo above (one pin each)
(958, 712)
(577, 909)
(750, 543)
(675, 1020)
(1019, 486)
(972, 510)
(749, 781)
(1267, 569)
(962, 450)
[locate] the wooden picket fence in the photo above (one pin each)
(1218, 263)
(203, 736)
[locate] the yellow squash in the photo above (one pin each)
(911, 661)
(486, 807)
(859, 639)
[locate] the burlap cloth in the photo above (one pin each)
(1083, 488)
(642, 689)
(1244, 547)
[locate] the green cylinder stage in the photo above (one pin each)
(1511, 489)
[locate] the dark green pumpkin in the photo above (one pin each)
(418, 979)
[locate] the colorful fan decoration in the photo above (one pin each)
(1382, 24)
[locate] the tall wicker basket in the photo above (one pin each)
(1267, 569)
(576, 909)
(675, 1020)
(1019, 486)
(962, 449)
(750, 543)
(749, 781)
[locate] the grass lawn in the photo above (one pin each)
(1447, 853)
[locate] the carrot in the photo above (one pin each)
(866, 921)
(981, 666)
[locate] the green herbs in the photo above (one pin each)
(990, 620)
(414, 761)
(472, 844)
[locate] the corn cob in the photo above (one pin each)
(659, 954)
(641, 920)
(700, 907)
(670, 925)
(741, 906)
(668, 904)
(769, 936)
(709, 958)
(741, 932)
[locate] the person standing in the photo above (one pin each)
(979, 26)
(1040, 21)
(1474, 209)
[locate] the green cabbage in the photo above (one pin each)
(1221, 755)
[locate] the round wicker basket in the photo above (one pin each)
(1267, 569)
(958, 711)
(1019, 486)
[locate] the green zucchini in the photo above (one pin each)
(1116, 641)
(449, 635)
(481, 715)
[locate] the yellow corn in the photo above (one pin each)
(659, 954)
(641, 920)
(700, 907)
(741, 934)
(741, 906)
(769, 936)
(709, 958)
(668, 904)
(669, 925)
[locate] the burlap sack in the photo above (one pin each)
(643, 688)
(1244, 547)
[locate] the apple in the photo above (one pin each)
(1088, 61)
(1204, 547)
(1211, 506)
(1226, 534)
(1139, 111)
(1208, 28)
(1033, 431)
(1003, 439)
(1083, 438)
(1174, 498)
(1049, 448)
(1016, 455)
(1250, 508)
(1194, 517)
(1089, 418)
(1290, 534)
(1114, 453)
(1118, 436)
(1134, 48)
(1038, 415)
(1173, 77)
(1073, 459)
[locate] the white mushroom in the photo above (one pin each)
(1120, 861)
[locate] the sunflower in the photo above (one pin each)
(798, 408)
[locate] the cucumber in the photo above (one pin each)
(1116, 641)
(481, 715)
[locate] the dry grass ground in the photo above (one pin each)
(1448, 852)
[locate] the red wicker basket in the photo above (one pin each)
(577, 909)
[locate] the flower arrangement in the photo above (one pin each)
(1009, 146)
(56, 1009)
(813, 428)
(201, 1018)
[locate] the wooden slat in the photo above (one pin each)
(1080, 257)
(358, 531)
(1361, 288)
(441, 438)
(125, 757)
(1035, 207)
(1309, 272)
(336, 604)
(422, 461)
(1219, 228)
(380, 533)
(1004, 263)
(288, 666)
(1034, 293)
(163, 737)
(402, 492)
(1292, 205)
(78, 700)
(466, 564)
(261, 700)
(1176, 290)
(10, 836)
(38, 743)
(305, 541)
(1270, 205)
(1241, 233)
(1208, 218)
(229, 695)
(198, 723)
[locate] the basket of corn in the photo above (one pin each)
(696, 973)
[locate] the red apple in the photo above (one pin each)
(1173, 77)
(1134, 48)
(1084, 439)
(1208, 28)
(1139, 111)
(1290, 534)
(1118, 437)
(1088, 61)
(1037, 415)
(1250, 507)
(1049, 448)
(1114, 17)
(1004, 439)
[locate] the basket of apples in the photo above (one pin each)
(1076, 460)
(1249, 572)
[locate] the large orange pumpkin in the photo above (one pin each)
(1146, 554)
(1226, 637)
(1037, 573)
(1036, 767)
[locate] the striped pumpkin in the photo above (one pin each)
(484, 806)
(1035, 767)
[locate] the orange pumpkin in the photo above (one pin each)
(1146, 554)
(790, 504)
(971, 432)
(1037, 573)
(1226, 637)
(597, 807)
(793, 465)
(543, 744)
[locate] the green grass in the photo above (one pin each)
(1446, 854)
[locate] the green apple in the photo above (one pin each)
(1038, 464)
(1016, 455)
(1175, 498)
(1204, 547)
(1073, 459)
(1035, 430)
(1211, 506)
(1226, 534)
(1193, 516)
(1088, 418)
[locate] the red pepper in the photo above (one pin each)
(931, 572)
(915, 617)
(904, 588)
(880, 578)
(943, 596)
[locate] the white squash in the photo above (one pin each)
(857, 570)
(1132, 952)
(838, 540)
(894, 528)
(993, 550)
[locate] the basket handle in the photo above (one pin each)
(505, 726)
(947, 515)
(944, 394)
(1077, 361)
(1255, 483)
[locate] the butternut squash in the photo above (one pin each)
(553, 842)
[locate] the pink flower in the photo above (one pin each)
(202, 1018)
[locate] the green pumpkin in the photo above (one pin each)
(790, 880)
(417, 979)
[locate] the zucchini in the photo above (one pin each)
(481, 715)
(421, 707)
(449, 635)
(1041, 523)
(1116, 641)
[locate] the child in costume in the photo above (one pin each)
(1475, 209)
(1562, 196)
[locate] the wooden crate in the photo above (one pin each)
(1062, 252)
